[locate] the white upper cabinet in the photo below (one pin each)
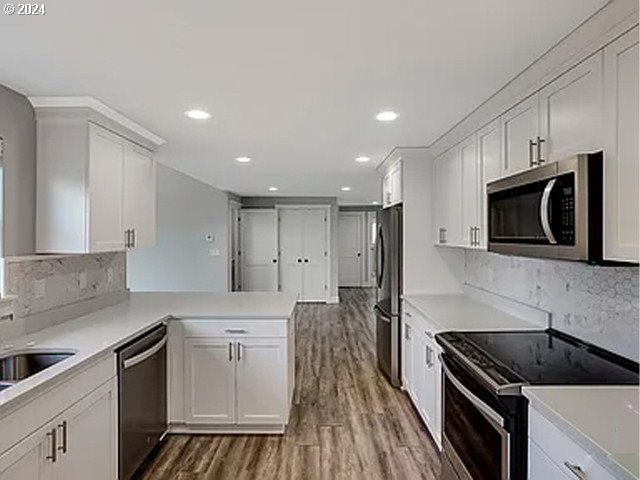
(392, 185)
(469, 192)
(139, 197)
(520, 132)
(490, 164)
(95, 178)
(104, 192)
(621, 225)
(571, 112)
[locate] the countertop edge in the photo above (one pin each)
(603, 457)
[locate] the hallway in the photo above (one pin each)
(346, 421)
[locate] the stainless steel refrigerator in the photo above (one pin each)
(389, 282)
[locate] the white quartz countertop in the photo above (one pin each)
(602, 420)
(102, 332)
(461, 312)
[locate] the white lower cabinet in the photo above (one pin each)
(80, 443)
(552, 454)
(237, 377)
(261, 393)
(210, 380)
(421, 370)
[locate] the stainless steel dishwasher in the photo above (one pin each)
(142, 399)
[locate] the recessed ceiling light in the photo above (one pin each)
(197, 114)
(375, 202)
(363, 159)
(243, 159)
(387, 116)
(273, 189)
(346, 189)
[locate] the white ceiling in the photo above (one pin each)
(293, 84)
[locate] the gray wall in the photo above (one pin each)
(18, 128)
(188, 210)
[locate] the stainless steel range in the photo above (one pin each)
(485, 414)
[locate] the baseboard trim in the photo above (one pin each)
(184, 429)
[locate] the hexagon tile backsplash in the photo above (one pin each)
(596, 304)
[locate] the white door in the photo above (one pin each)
(209, 380)
(261, 381)
(621, 240)
(291, 225)
(315, 255)
(519, 128)
(470, 190)
(489, 155)
(571, 111)
(106, 191)
(371, 236)
(350, 246)
(259, 251)
(140, 196)
(28, 459)
(87, 449)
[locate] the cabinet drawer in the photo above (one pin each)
(413, 316)
(234, 328)
(561, 450)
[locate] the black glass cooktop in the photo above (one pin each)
(541, 358)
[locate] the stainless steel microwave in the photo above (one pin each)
(551, 211)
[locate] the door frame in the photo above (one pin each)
(234, 208)
(327, 241)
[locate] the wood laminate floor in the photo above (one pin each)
(346, 422)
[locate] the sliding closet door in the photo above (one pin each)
(315, 259)
(291, 251)
(259, 253)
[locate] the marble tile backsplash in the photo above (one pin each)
(596, 304)
(47, 283)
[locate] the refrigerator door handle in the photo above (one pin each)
(380, 313)
(380, 257)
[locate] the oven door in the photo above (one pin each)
(475, 438)
(541, 212)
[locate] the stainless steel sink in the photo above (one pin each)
(21, 365)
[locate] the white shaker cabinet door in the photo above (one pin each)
(470, 191)
(261, 381)
(209, 380)
(490, 158)
(104, 216)
(622, 157)
(31, 459)
(140, 196)
(519, 129)
(87, 437)
(571, 111)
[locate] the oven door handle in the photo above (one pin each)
(544, 211)
(485, 409)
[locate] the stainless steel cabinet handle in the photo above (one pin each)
(126, 238)
(236, 331)
(133, 238)
(427, 355)
(471, 236)
(428, 334)
(63, 426)
(408, 314)
(239, 351)
(53, 456)
(532, 161)
(576, 470)
(540, 141)
(231, 351)
(407, 332)
(444, 235)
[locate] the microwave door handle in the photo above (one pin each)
(544, 211)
